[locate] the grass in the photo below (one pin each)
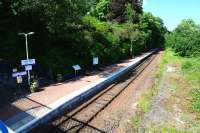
(146, 99)
(190, 69)
(143, 106)
(173, 130)
(186, 87)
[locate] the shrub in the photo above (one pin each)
(34, 86)
(102, 9)
(185, 39)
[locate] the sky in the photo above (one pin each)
(173, 11)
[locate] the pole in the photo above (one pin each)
(131, 49)
(27, 54)
(27, 57)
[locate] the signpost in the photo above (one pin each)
(76, 68)
(16, 74)
(28, 68)
(95, 61)
(14, 70)
(28, 62)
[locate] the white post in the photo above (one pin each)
(27, 54)
(27, 57)
(131, 49)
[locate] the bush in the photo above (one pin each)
(185, 39)
(102, 9)
(34, 86)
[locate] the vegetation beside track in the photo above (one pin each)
(145, 101)
(179, 79)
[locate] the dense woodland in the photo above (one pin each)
(69, 32)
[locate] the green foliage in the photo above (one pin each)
(101, 9)
(57, 16)
(196, 99)
(123, 10)
(191, 70)
(185, 39)
(154, 30)
(34, 86)
(130, 14)
(69, 32)
(107, 39)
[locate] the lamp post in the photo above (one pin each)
(131, 49)
(27, 54)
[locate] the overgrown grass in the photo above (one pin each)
(173, 130)
(146, 99)
(189, 71)
(143, 107)
(166, 130)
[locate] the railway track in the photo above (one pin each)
(78, 120)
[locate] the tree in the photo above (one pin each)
(185, 38)
(101, 9)
(118, 9)
(154, 29)
(56, 15)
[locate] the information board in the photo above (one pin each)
(95, 61)
(14, 70)
(14, 75)
(28, 62)
(76, 67)
(28, 68)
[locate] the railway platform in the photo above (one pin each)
(31, 110)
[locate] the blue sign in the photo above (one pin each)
(3, 128)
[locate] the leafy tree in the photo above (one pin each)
(119, 9)
(58, 15)
(130, 15)
(68, 32)
(185, 38)
(101, 9)
(154, 29)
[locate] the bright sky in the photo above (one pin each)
(173, 11)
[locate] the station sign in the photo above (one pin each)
(95, 61)
(28, 67)
(16, 74)
(14, 70)
(28, 62)
(76, 67)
